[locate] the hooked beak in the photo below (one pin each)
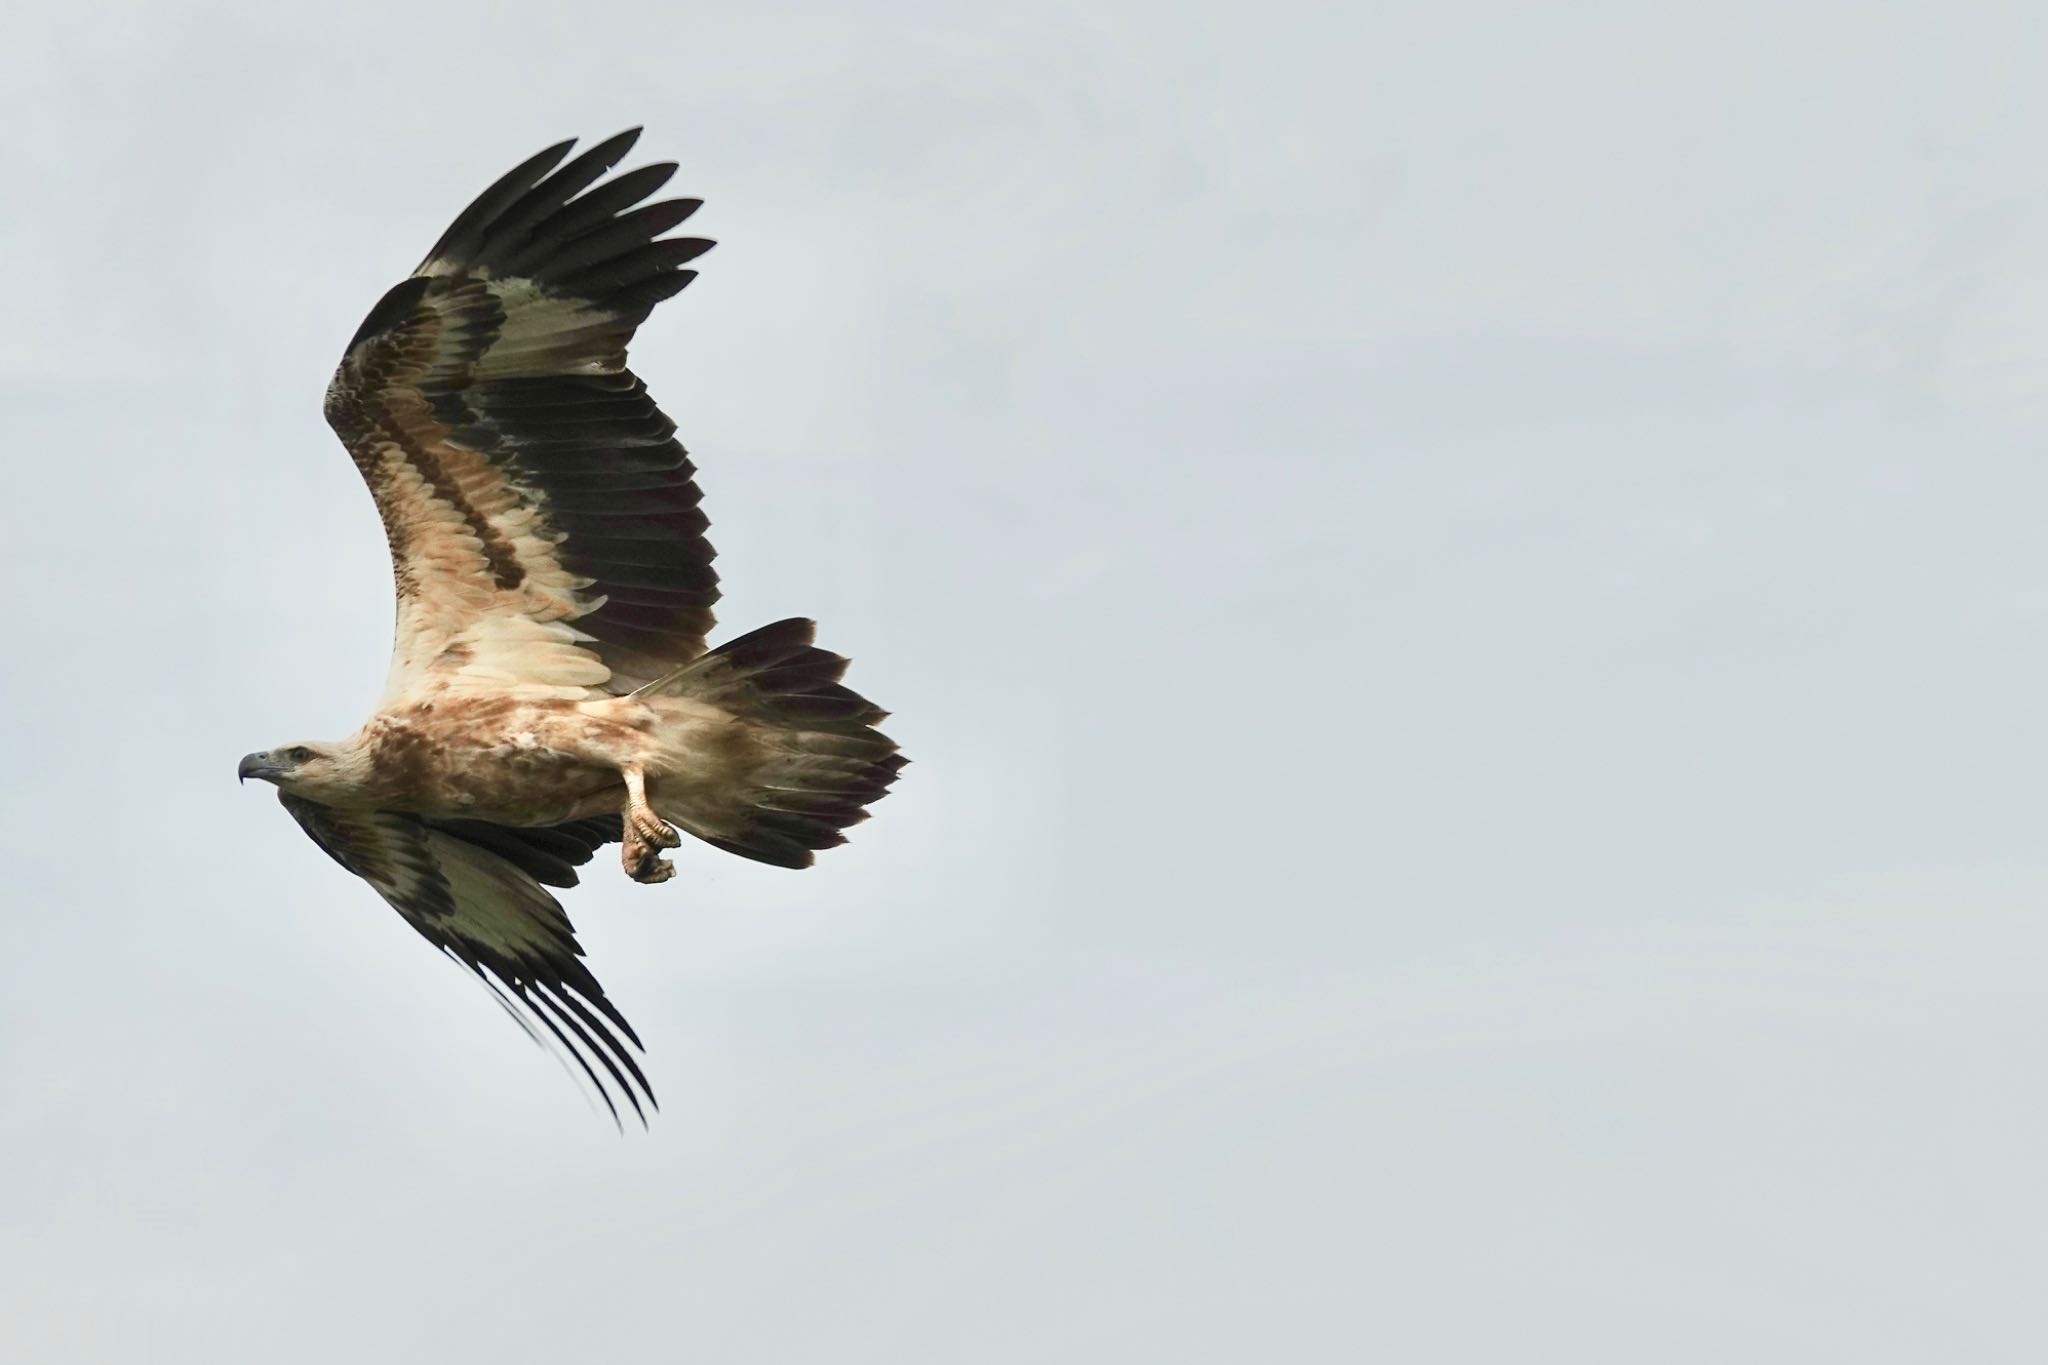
(261, 766)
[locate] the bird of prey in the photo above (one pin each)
(551, 690)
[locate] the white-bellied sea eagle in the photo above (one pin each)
(551, 690)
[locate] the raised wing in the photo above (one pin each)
(543, 520)
(473, 890)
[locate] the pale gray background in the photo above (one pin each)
(1464, 581)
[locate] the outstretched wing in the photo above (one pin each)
(543, 520)
(473, 890)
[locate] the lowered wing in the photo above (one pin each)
(473, 890)
(543, 520)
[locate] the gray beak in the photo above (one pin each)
(260, 766)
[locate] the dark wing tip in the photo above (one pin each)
(465, 234)
(544, 986)
(554, 223)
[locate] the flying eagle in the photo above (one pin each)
(550, 688)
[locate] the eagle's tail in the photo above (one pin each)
(811, 760)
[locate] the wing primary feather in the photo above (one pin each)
(616, 1049)
(553, 1001)
(505, 1004)
(521, 1018)
(456, 243)
(594, 993)
(636, 227)
(550, 194)
(636, 265)
(643, 296)
(526, 995)
(591, 211)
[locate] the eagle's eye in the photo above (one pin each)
(301, 754)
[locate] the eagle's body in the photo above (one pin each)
(551, 689)
(500, 760)
(535, 762)
(507, 761)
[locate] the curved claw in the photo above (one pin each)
(652, 871)
(642, 856)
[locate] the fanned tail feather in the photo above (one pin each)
(817, 762)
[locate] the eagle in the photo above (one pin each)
(551, 689)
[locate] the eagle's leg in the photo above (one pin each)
(646, 833)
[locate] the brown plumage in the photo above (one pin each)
(550, 688)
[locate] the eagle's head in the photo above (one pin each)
(319, 772)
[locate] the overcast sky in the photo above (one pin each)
(1464, 582)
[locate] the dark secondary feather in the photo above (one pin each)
(510, 344)
(550, 854)
(472, 890)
